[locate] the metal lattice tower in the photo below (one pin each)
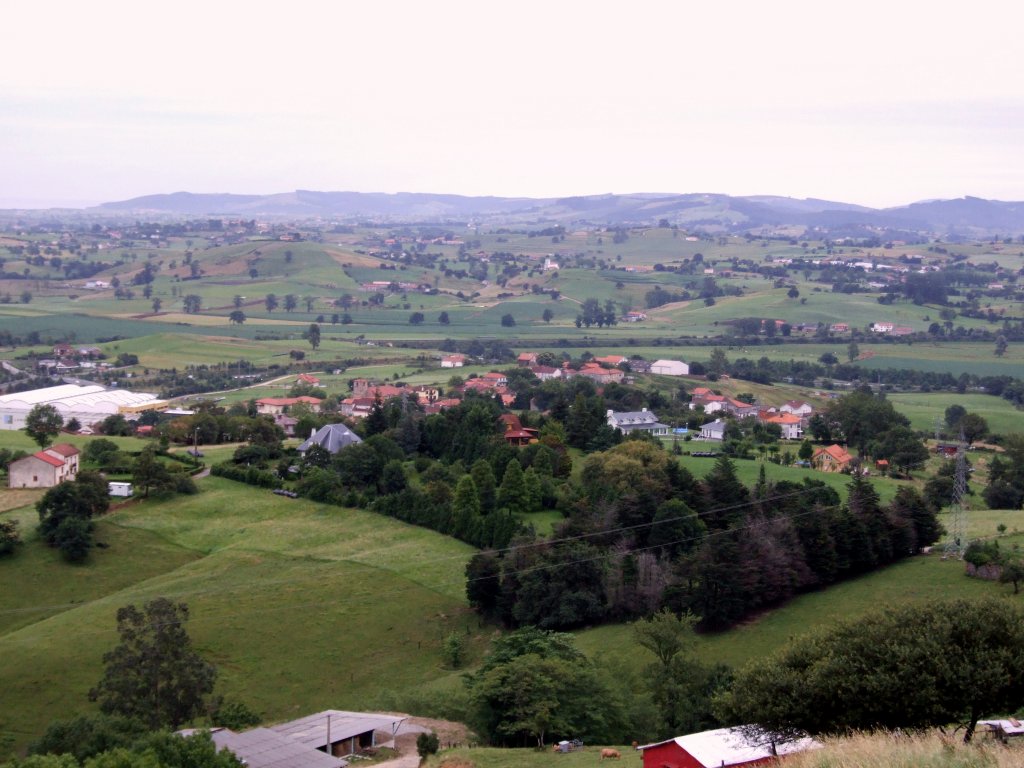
(957, 542)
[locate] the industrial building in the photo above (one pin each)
(89, 404)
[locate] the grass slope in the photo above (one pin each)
(301, 606)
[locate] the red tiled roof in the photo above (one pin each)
(837, 452)
(64, 449)
(53, 461)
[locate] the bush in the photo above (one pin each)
(427, 744)
(251, 476)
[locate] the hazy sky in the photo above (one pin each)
(878, 103)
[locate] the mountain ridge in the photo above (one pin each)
(714, 211)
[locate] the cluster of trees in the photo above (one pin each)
(592, 313)
(66, 512)
(1005, 489)
(154, 681)
(912, 667)
(641, 534)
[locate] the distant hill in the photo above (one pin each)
(969, 216)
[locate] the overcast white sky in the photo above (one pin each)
(878, 103)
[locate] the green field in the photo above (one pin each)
(924, 408)
(301, 606)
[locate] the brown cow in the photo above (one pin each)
(610, 753)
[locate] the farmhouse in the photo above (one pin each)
(833, 458)
(44, 469)
(89, 404)
(453, 361)
(636, 421)
(305, 378)
(332, 438)
(720, 748)
(670, 368)
(527, 359)
(271, 406)
(610, 360)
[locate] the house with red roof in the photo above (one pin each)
(44, 469)
(600, 375)
(271, 406)
(832, 458)
(791, 425)
(514, 432)
(305, 378)
(611, 360)
(456, 360)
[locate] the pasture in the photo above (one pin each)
(301, 606)
(924, 408)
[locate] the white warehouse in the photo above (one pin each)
(88, 404)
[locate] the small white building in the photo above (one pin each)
(670, 368)
(120, 489)
(453, 361)
(714, 430)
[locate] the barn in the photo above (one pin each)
(720, 748)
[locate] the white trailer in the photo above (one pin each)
(119, 489)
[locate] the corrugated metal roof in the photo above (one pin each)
(263, 748)
(312, 730)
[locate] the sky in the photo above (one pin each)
(876, 103)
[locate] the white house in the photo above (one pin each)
(797, 408)
(670, 368)
(714, 430)
(636, 421)
(453, 361)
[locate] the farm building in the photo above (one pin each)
(263, 748)
(670, 368)
(332, 438)
(89, 404)
(453, 361)
(636, 421)
(44, 469)
(721, 748)
(339, 733)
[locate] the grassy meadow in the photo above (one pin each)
(301, 606)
